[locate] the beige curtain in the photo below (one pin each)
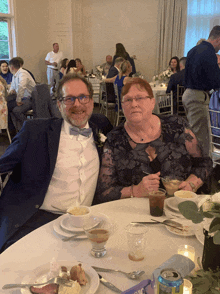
(172, 18)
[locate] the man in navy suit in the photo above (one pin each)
(114, 70)
(175, 79)
(54, 163)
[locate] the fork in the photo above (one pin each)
(56, 280)
(132, 275)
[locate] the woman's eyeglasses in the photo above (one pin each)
(128, 100)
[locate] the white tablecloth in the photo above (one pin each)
(40, 246)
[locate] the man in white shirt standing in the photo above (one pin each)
(55, 163)
(22, 86)
(52, 61)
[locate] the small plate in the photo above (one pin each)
(187, 231)
(171, 202)
(67, 224)
(63, 233)
(170, 213)
(39, 274)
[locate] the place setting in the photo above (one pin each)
(70, 225)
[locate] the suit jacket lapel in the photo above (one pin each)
(95, 131)
(53, 142)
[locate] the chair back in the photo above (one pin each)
(180, 107)
(119, 112)
(165, 103)
(42, 103)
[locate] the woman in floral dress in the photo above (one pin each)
(146, 143)
(3, 105)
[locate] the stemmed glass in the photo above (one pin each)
(98, 231)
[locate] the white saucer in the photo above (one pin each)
(63, 233)
(67, 224)
(171, 202)
(170, 213)
(188, 230)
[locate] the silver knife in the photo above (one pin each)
(109, 285)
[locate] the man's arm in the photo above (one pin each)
(14, 153)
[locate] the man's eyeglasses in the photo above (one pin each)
(83, 99)
(128, 100)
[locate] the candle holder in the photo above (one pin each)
(187, 251)
(187, 287)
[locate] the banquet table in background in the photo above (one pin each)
(40, 246)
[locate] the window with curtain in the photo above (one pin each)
(6, 20)
(202, 15)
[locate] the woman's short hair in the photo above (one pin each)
(141, 84)
(178, 62)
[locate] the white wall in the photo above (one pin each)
(88, 29)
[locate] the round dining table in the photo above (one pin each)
(44, 244)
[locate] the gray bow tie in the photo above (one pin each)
(84, 132)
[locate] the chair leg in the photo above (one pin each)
(9, 137)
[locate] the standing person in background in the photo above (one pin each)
(52, 61)
(121, 52)
(202, 76)
(107, 65)
(5, 72)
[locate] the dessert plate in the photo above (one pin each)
(171, 202)
(41, 272)
(188, 229)
(170, 213)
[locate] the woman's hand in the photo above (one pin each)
(185, 186)
(148, 183)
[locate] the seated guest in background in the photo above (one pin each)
(63, 67)
(112, 74)
(21, 60)
(146, 143)
(121, 52)
(71, 66)
(177, 79)
(5, 72)
(107, 65)
(19, 98)
(174, 64)
(54, 162)
(80, 68)
(123, 77)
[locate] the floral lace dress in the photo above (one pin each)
(3, 108)
(176, 154)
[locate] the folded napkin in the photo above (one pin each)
(145, 286)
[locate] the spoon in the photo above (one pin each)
(132, 275)
(150, 174)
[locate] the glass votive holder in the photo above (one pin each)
(187, 251)
(187, 287)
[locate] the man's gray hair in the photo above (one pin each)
(73, 77)
(119, 60)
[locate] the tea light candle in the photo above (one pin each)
(187, 251)
(187, 287)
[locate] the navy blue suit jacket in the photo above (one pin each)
(32, 157)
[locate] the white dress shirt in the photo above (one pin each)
(23, 84)
(54, 57)
(74, 179)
